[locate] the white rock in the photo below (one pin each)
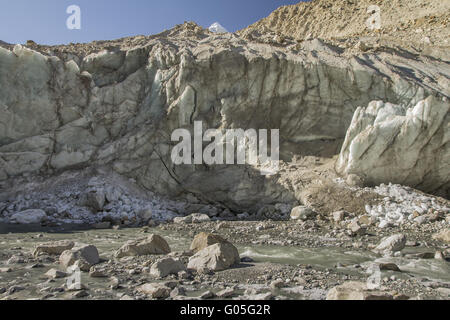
(193, 218)
(83, 256)
(389, 245)
(384, 224)
(200, 218)
(166, 266)
(338, 216)
(179, 220)
(420, 220)
(353, 290)
(204, 240)
(217, 257)
(302, 213)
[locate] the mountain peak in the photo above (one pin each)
(217, 28)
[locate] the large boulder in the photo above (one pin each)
(31, 216)
(302, 213)
(390, 245)
(83, 256)
(166, 266)
(390, 143)
(153, 244)
(203, 240)
(53, 248)
(218, 257)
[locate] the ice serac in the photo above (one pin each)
(391, 143)
(116, 105)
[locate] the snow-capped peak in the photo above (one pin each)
(217, 28)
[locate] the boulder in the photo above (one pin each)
(178, 291)
(354, 290)
(145, 215)
(390, 245)
(356, 229)
(112, 194)
(95, 200)
(179, 220)
(389, 267)
(55, 274)
(226, 293)
(207, 295)
(354, 180)
(32, 216)
(95, 272)
(53, 248)
(83, 256)
(200, 218)
(443, 235)
(153, 244)
(339, 216)
(257, 296)
(203, 240)
(421, 220)
(162, 268)
(193, 218)
(277, 284)
(155, 290)
(15, 259)
(302, 213)
(365, 220)
(219, 256)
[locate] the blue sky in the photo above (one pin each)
(44, 21)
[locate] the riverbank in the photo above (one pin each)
(279, 260)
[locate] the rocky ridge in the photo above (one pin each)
(410, 23)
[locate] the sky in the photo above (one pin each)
(44, 21)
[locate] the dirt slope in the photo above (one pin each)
(419, 21)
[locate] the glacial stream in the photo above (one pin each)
(15, 239)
